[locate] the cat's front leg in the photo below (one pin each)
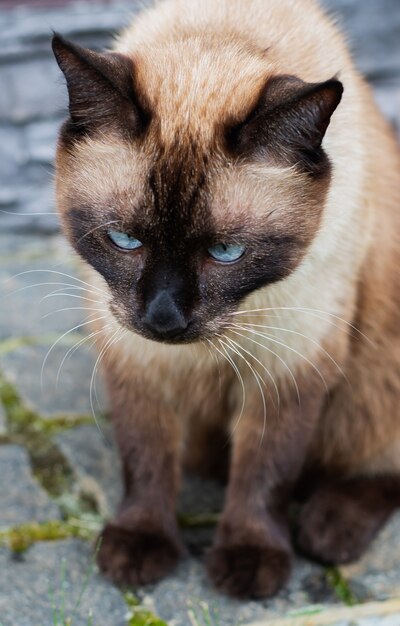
(252, 553)
(141, 544)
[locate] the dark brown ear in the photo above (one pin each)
(290, 122)
(100, 88)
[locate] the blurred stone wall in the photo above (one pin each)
(33, 96)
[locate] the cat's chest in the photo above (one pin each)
(292, 326)
(184, 376)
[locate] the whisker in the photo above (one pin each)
(284, 345)
(59, 274)
(239, 376)
(237, 351)
(257, 379)
(75, 308)
(73, 349)
(85, 323)
(310, 311)
(353, 330)
(103, 350)
(313, 341)
(275, 354)
(215, 358)
(97, 228)
(97, 370)
(123, 332)
(62, 292)
(347, 329)
(236, 369)
(264, 368)
(64, 286)
(28, 214)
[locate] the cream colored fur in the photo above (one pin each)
(181, 49)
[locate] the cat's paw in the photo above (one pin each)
(136, 557)
(336, 525)
(249, 571)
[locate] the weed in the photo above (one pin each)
(200, 614)
(19, 538)
(139, 615)
(341, 587)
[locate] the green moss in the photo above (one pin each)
(22, 537)
(20, 417)
(29, 430)
(143, 617)
(198, 521)
(8, 395)
(23, 256)
(140, 616)
(14, 343)
(132, 601)
(313, 609)
(341, 587)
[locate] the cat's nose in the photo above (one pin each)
(163, 316)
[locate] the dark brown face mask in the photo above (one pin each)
(172, 287)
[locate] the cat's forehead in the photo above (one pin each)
(180, 186)
(180, 166)
(100, 169)
(148, 183)
(196, 84)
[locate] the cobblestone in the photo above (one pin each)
(377, 575)
(28, 338)
(21, 498)
(94, 459)
(97, 469)
(51, 395)
(31, 269)
(3, 423)
(189, 588)
(48, 580)
(92, 453)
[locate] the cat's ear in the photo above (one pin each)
(100, 87)
(290, 121)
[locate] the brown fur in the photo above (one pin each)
(230, 103)
(341, 518)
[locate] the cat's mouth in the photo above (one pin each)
(169, 330)
(183, 333)
(190, 332)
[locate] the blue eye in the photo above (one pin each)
(124, 241)
(226, 252)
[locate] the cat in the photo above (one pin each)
(234, 194)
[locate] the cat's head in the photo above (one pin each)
(187, 187)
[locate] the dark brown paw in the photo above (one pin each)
(338, 523)
(249, 571)
(132, 557)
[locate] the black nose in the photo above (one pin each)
(163, 316)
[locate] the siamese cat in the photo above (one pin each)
(234, 194)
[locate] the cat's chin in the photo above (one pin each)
(190, 335)
(172, 341)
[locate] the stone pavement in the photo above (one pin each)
(59, 474)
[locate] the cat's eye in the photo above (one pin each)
(123, 240)
(226, 252)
